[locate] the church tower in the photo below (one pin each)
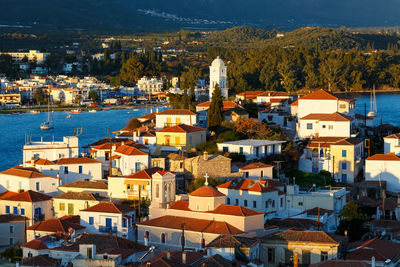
(218, 76)
(162, 191)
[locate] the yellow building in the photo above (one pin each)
(10, 99)
(32, 55)
(181, 136)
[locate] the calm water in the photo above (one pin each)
(14, 127)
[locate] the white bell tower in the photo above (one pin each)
(162, 192)
(218, 76)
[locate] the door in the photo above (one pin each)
(108, 224)
(177, 140)
(70, 208)
(178, 121)
(168, 122)
(167, 140)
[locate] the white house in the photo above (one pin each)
(12, 230)
(19, 178)
(392, 144)
(129, 160)
(52, 150)
(276, 116)
(259, 195)
(150, 86)
(107, 217)
(251, 148)
(257, 170)
(218, 76)
(173, 117)
(271, 96)
(384, 167)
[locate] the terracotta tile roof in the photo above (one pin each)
(320, 94)
(262, 186)
(279, 100)
(81, 160)
(27, 196)
(206, 191)
(192, 224)
(348, 142)
(115, 157)
(393, 136)
(215, 261)
(40, 261)
(250, 94)
(390, 203)
(293, 223)
(226, 105)
(109, 207)
(7, 194)
(175, 259)
(230, 241)
(174, 156)
(273, 93)
(180, 205)
(130, 151)
(109, 140)
(176, 112)
(256, 165)
(306, 236)
(6, 218)
(382, 250)
(384, 157)
(150, 116)
(103, 243)
(143, 174)
(30, 173)
(36, 244)
(314, 212)
(60, 225)
(327, 117)
(81, 196)
(295, 103)
(235, 211)
(340, 263)
(388, 225)
(183, 128)
(366, 202)
(42, 162)
(87, 184)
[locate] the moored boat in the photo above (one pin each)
(76, 111)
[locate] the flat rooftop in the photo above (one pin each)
(252, 142)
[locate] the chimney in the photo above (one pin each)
(184, 257)
(205, 155)
(168, 255)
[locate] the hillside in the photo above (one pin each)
(240, 34)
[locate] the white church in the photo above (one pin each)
(218, 76)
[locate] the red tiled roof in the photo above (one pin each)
(87, 184)
(206, 191)
(109, 207)
(226, 104)
(183, 128)
(256, 165)
(382, 250)
(340, 263)
(273, 93)
(36, 244)
(81, 160)
(327, 117)
(42, 162)
(144, 174)
(40, 261)
(385, 157)
(7, 194)
(250, 94)
(306, 236)
(27, 196)
(235, 210)
(130, 151)
(176, 112)
(148, 116)
(25, 172)
(390, 203)
(175, 258)
(295, 103)
(320, 94)
(192, 224)
(393, 136)
(6, 218)
(262, 186)
(348, 142)
(60, 225)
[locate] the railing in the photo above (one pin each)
(107, 229)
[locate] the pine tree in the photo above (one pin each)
(215, 116)
(186, 100)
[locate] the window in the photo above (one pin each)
(300, 203)
(163, 238)
(180, 165)
(8, 209)
(62, 206)
(225, 149)
(262, 173)
(281, 202)
(324, 255)
(245, 202)
(107, 156)
(11, 241)
(344, 153)
(80, 169)
(124, 222)
(241, 150)
(11, 229)
(271, 255)
(15, 210)
(330, 127)
(237, 202)
(342, 106)
(266, 204)
(157, 191)
(344, 166)
(91, 220)
(22, 211)
(137, 166)
(89, 253)
(344, 178)
(246, 174)
(60, 156)
(36, 156)
(66, 170)
(228, 201)
(146, 141)
(273, 203)
(70, 209)
(254, 204)
(190, 139)
(309, 126)
(37, 186)
(323, 126)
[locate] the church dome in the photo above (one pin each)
(206, 191)
(218, 62)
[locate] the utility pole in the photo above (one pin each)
(333, 167)
(318, 218)
(383, 202)
(140, 197)
(183, 236)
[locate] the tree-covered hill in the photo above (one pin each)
(240, 34)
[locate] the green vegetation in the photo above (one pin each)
(12, 253)
(197, 183)
(352, 222)
(215, 116)
(240, 34)
(323, 178)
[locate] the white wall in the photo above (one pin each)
(127, 164)
(308, 106)
(161, 120)
(14, 183)
(377, 170)
(90, 171)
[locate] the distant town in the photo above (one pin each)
(210, 177)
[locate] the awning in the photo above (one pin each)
(136, 182)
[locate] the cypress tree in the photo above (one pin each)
(215, 116)
(186, 100)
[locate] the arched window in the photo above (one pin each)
(163, 238)
(157, 191)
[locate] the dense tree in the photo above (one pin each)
(215, 116)
(352, 222)
(93, 95)
(39, 96)
(132, 70)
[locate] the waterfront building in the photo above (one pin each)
(181, 137)
(98, 188)
(33, 205)
(384, 168)
(109, 218)
(24, 178)
(218, 75)
(253, 149)
(51, 226)
(174, 117)
(340, 156)
(51, 150)
(32, 55)
(10, 100)
(150, 86)
(257, 170)
(12, 230)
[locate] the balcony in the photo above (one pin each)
(38, 217)
(108, 229)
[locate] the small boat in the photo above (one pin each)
(69, 116)
(136, 109)
(34, 111)
(92, 111)
(76, 111)
(46, 125)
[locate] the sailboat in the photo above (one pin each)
(47, 125)
(373, 109)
